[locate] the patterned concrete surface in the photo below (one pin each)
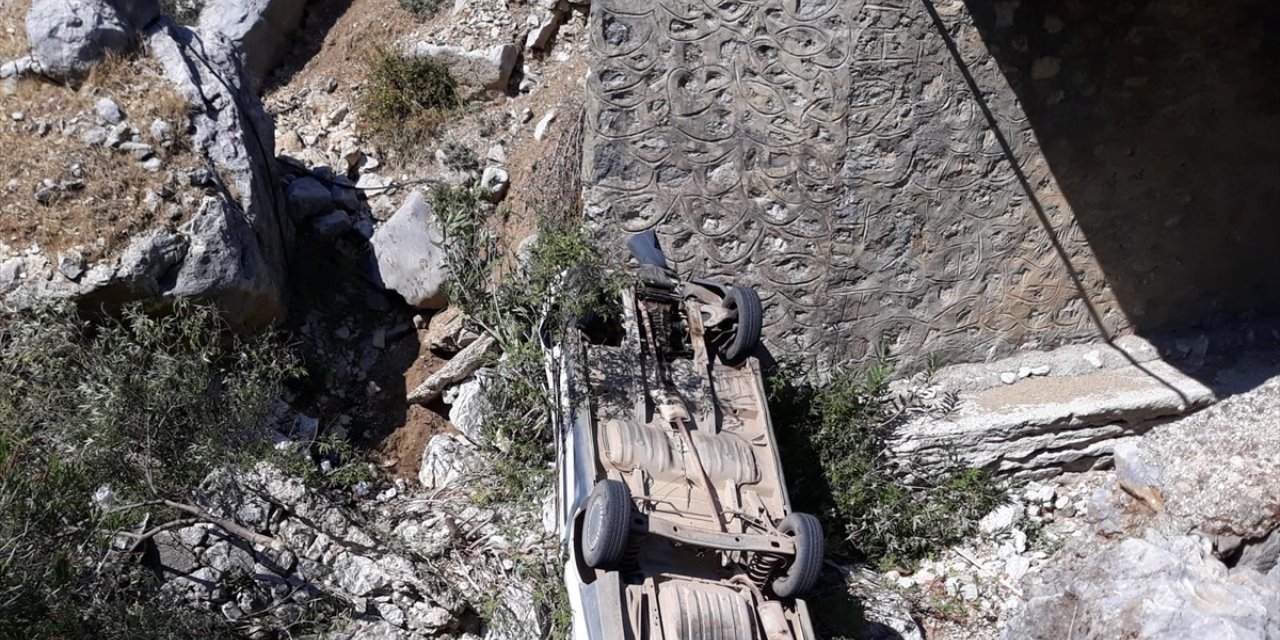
(832, 154)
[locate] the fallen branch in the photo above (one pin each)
(200, 515)
(228, 525)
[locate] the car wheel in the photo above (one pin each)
(746, 333)
(607, 523)
(807, 564)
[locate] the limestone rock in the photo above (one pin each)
(446, 460)
(174, 555)
(459, 368)
(68, 37)
(544, 125)
(225, 265)
(1148, 589)
(469, 407)
(234, 131)
(542, 33)
(108, 110)
(228, 557)
(360, 575)
(308, 197)
(489, 69)
(1213, 471)
(409, 257)
(260, 29)
(1043, 425)
(494, 182)
(448, 332)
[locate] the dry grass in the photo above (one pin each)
(13, 30)
(100, 216)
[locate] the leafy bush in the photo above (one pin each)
(105, 428)
(834, 441)
(408, 99)
(520, 300)
(460, 157)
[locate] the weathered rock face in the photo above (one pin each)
(1186, 498)
(409, 257)
(260, 29)
(837, 158)
(232, 252)
(1148, 590)
(1213, 472)
(68, 37)
(224, 265)
(1043, 413)
(235, 132)
(401, 581)
(448, 460)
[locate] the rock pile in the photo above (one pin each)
(422, 577)
(1181, 539)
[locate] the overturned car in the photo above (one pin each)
(674, 511)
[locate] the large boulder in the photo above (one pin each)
(260, 29)
(254, 233)
(1148, 589)
(409, 255)
(232, 252)
(68, 37)
(1213, 472)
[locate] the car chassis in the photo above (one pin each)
(671, 493)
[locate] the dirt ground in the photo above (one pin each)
(100, 196)
(405, 429)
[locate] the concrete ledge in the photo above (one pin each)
(1046, 413)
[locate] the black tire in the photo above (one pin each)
(803, 573)
(606, 524)
(746, 334)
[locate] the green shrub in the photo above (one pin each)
(408, 99)
(561, 277)
(105, 428)
(834, 447)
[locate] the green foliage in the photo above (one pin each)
(834, 441)
(460, 157)
(346, 466)
(422, 9)
(138, 409)
(520, 300)
(408, 99)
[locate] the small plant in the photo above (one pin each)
(408, 99)
(331, 463)
(834, 441)
(422, 9)
(460, 157)
(183, 11)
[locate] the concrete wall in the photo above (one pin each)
(834, 154)
(1161, 122)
